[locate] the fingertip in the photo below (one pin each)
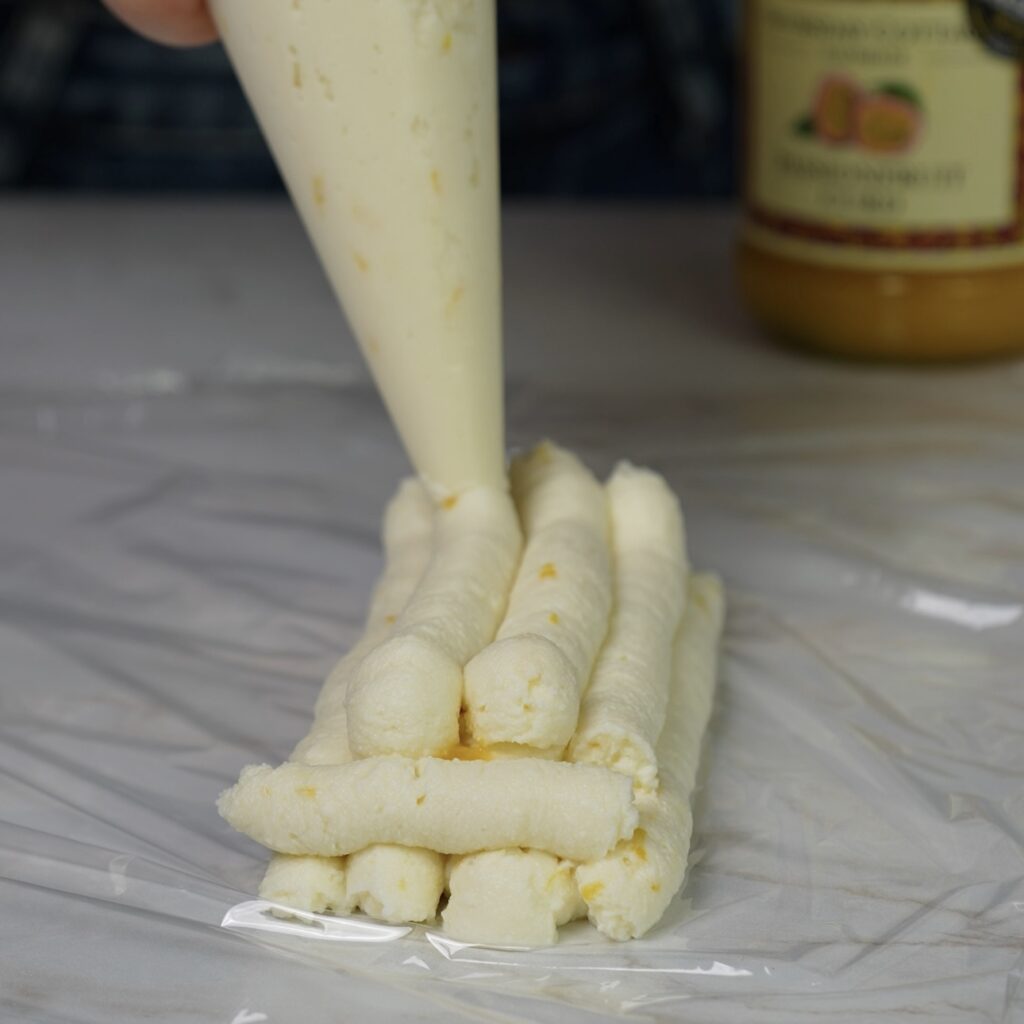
(171, 22)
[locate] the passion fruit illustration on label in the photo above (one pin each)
(835, 109)
(884, 119)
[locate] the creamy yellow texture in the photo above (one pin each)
(382, 118)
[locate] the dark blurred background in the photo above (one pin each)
(598, 98)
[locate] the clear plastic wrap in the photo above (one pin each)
(186, 551)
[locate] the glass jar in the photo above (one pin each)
(883, 192)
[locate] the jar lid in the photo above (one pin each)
(999, 24)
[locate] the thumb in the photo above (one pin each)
(175, 22)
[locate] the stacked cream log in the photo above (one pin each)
(520, 726)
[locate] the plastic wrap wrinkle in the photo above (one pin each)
(185, 551)
(259, 915)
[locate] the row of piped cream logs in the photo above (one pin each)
(516, 736)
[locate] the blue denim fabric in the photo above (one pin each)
(598, 98)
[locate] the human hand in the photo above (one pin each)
(175, 22)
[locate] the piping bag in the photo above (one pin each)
(382, 117)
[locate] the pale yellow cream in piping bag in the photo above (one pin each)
(382, 118)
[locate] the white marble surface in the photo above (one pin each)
(192, 464)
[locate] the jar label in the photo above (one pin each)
(882, 133)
